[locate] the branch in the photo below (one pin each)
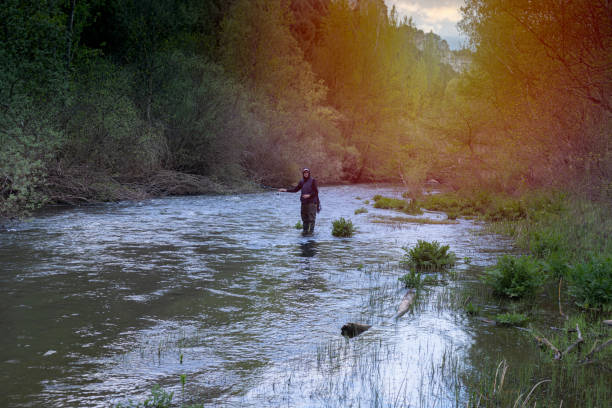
(544, 340)
(576, 343)
(597, 350)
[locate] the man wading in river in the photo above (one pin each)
(309, 199)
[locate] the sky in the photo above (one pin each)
(439, 16)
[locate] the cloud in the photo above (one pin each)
(441, 16)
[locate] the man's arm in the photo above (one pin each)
(292, 190)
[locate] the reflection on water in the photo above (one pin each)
(98, 304)
(308, 249)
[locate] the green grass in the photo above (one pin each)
(343, 228)
(413, 220)
(361, 210)
(511, 319)
(159, 398)
(514, 277)
(409, 207)
(298, 225)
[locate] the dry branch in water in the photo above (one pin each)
(407, 301)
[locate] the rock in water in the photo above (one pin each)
(353, 329)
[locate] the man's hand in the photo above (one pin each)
(282, 190)
(306, 196)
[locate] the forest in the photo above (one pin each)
(103, 100)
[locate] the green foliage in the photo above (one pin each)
(472, 309)
(343, 228)
(411, 207)
(514, 277)
(159, 398)
(511, 319)
(388, 203)
(361, 210)
(591, 283)
(429, 255)
(298, 225)
(411, 280)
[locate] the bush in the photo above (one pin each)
(343, 228)
(591, 283)
(511, 319)
(472, 309)
(544, 243)
(298, 225)
(514, 277)
(429, 255)
(411, 280)
(361, 211)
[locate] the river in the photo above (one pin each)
(100, 303)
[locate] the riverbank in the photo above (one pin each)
(556, 292)
(86, 186)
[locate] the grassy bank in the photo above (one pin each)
(560, 288)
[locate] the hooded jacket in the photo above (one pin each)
(308, 186)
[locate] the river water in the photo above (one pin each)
(98, 304)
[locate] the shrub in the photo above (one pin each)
(429, 255)
(514, 277)
(544, 243)
(591, 283)
(343, 228)
(298, 225)
(411, 280)
(361, 211)
(511, 319)
(472, 309)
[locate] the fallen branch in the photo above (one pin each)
(544, 340)
(405, 304)
(597, 350)
(576, 343)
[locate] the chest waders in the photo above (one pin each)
(309, 214)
